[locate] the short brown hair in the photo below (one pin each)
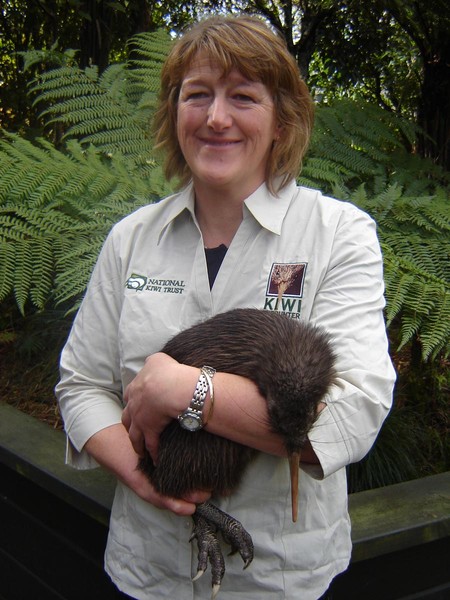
(248, 45)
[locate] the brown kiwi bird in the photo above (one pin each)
(291, 363)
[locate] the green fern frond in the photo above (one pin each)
(23, 272)
(88, 106)
(416, 246)
(414, 233)
(426, 253)
(63, 82)
(322, 169)
(29, 171)
(43, 273)
(7, 266)
(113, 81)
(39, 230)
(360, 156)
(435, 331)
(75, 260)
(148, 52)
(419, 296)
(350, 162)
(398, 288)
(113, 111)
(367, 144)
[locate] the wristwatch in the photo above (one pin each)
(192, 418)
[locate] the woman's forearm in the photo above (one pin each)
(240, 414)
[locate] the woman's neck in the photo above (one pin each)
(218, 226)
(219, 218)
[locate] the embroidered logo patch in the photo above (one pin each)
(136, 282)
(285, 288)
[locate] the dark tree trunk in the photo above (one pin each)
(434, 108)
(427, 24)
(141, 19)
(312, 21)
(95, 36)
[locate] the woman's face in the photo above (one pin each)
(225, 127)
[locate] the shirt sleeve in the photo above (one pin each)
(349, 305)
(90, 391)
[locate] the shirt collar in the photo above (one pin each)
(184, 200)
(268, 209)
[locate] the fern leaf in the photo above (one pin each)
(23, 273)
(7, 265)
(435, 333)
(43, 273)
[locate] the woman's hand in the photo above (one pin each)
(111, 448)
(158, 394)
(140, 484)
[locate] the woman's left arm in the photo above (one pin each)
(349, 306)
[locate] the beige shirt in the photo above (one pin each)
(302, 253)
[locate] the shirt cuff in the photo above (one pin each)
(87, 424)
(328, 444)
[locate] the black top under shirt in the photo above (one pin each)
(214, 258)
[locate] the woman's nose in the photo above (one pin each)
(219, 116)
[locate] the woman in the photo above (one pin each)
(234, 121)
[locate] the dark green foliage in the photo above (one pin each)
(414, 440)
(388, 463)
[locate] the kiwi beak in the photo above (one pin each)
(294, 467)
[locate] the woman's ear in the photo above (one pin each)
(278, 133)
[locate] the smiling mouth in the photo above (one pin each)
(216, 143)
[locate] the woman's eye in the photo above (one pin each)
(243, 98)
(194, 95)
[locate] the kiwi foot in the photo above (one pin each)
(208, 520)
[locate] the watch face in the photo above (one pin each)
(190, 421)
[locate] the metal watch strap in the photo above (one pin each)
(192, 418)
